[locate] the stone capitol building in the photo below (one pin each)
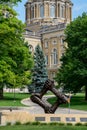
(45, 24)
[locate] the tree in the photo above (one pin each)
(15, 59)
(39, 73)
(73, 72)
(9, 1)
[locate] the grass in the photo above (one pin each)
(10, 101)
(77, 102)
(42, 127)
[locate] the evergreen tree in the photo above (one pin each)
(39, 75)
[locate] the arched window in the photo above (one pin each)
(41, 11)
(62, 11)
(46, 44)
(31, 48)
(54, 57)
(32, 12)
(52, 11)
(46, 58)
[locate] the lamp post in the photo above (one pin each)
(69, 101)
(14, 90)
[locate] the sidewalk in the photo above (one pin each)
(36, 109)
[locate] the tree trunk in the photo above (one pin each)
(86, 93)
(1, 93)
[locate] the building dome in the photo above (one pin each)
(45, 11)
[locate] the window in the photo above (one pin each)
(62, 41)
(52, 11)
(46, 44)
(52, 75)
(54, 57)
(46, 58)
(54, 42)
(41, 11)
(62, 11)
(31, 48)
(32, 12)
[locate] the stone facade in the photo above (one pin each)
(25, 117)
(41, 11)
(45, 24)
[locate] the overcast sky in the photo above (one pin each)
(79, 7)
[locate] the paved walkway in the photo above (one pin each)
(36, 109)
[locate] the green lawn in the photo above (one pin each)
(9, 99)
(77, 102)
(42, 127)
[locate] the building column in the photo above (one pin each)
(49, 51)
(46, 9)
(37, 11)
(27, 13)
(70, 9)
(59, 10)
(65, 11)
(59, 47)
(56, 9)
(34, 10)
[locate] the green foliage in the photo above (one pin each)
(85, 124)
(27, 123)
(69, 124)
(35, 123)
(39, 75)
(77, 102)
(61, 124)
(78, 124)
(17, 123)
(44, 127)
(8, 123)
(53, 123)
(9, 1)
(9, 99)
(15, 58)
(72, 75)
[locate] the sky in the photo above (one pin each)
(79, 6)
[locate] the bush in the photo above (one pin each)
(61, 124)
(27, 123)
(85, 124)
(78, 124)
(69, 124)
(17, 123)
(44, 123)
(53, 123)
(8, 123)
(35, 123)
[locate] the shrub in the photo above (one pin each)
(61, 124)
(78, 124)
(27, 123)
(17, 123)
(53, 123)
(85, 124)
(43, 123)
(69, 124)
(8, 123)
(35, 123)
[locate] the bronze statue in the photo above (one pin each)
(37, 98)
